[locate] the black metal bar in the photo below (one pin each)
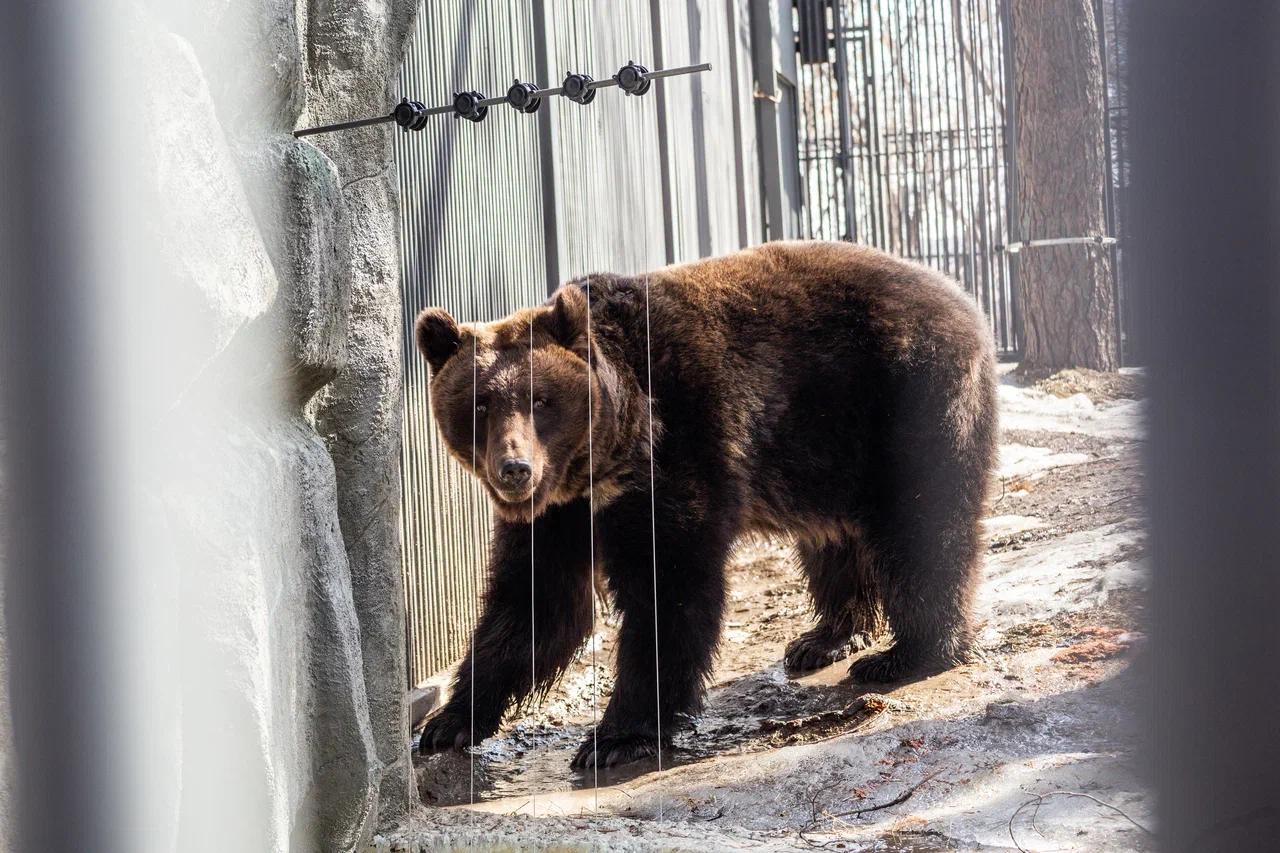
(679, 72)
(994, 58)
(739, 148)
(1108, 197)
(347, 125)
(767, 118)
(548, 153)
(846, 129)
(1011, 168)
(489, 102)
(874, 125)
(942, 143)
(664, 143)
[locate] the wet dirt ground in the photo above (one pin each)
(782, 762)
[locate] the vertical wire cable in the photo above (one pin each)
(471, 750)
(591, 589)
(653, 533)
(533, 577)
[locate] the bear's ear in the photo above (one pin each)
(437, 335)
(567, 318)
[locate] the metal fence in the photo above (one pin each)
(902, 129)
(496, 214)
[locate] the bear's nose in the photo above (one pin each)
(515, 472)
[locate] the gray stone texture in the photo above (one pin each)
(354, 58)
(281, 258)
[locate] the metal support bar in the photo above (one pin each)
(347, 125)
(1014, 248)
(664, 144)
(1014, 215)
(846, 127)
(1108, 157)
(766, 100)
(412, 119)
(548, 151)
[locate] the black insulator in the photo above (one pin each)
(524, 97)
(577, 88)
(467, 105)
(410, 115)
(633, 79)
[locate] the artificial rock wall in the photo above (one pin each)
(281, 402)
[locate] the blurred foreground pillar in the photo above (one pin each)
(1205, 105)
(53, 764)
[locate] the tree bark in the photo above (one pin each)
(1067, 292)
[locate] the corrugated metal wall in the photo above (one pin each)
(473, 230)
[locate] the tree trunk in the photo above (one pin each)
(1067, 292)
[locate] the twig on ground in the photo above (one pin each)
(1040, 798)
(896, 801)
(813, 801)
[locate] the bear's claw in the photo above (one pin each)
(807, 652)
(819, 647)
(613, 750)
(879, 668)
(446, 730)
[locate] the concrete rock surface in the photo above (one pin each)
(354, 52)
(278, 717)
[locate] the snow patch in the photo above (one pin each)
(1007, 526)
(1072, 573)
(1031, 463)
(1032, 409)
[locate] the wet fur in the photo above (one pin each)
(819, 390)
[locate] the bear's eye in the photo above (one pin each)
(539, 403)
(481, 408)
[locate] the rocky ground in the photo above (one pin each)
(960, 761)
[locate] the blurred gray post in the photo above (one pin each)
(1205, 102)
(50, 521)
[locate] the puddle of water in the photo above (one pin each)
(527, 759)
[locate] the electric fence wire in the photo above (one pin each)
(653, 535)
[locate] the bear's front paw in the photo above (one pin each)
(446, 730)
(879, 668)
(814, 650)
(612, 750)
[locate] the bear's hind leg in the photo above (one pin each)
(842, 586)
(928, 550)
(927, 580)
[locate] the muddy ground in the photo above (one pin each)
(944, 763)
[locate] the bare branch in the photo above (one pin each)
(1040, 798)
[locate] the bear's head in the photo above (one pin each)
(511, 398)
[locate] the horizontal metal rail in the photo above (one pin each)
(411, 119)
(1014, 248)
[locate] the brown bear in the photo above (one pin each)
(823, 391)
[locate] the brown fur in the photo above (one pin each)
(821, 390)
